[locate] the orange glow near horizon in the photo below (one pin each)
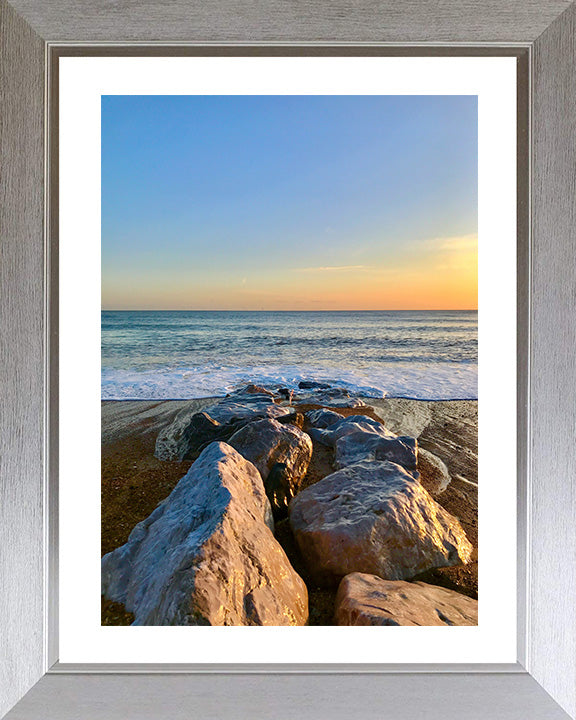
(436, 274)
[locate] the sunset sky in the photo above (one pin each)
(289, 202)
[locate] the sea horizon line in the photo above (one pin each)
(286, 311)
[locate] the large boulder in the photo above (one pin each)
(358, 446)
(368, 600)
(207, 554)
(190, 431)
(322, 418)
(374, 517)
(434, 474)
(357, 438)
(330, 434)
(267, 442)
(246, 406)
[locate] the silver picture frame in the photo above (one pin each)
(541, 685)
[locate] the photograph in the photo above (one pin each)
(289, 360)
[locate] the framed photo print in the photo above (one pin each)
(299, 290)
(290, 332)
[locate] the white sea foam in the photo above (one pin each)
(422, 381)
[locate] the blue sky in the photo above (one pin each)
(288, 202)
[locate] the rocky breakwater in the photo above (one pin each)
(207, 555)
(359, 438)
(374, 516)
(367, 520)
(251, 420)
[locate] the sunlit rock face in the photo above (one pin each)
(281, 454)
(267, 442)
(207, 554)
(374, 517)
(322, 418)
(329, 434)
(188, 434)
(368, 600)
(358, 438)
(360, 446)
(245, 406)
(434, 475)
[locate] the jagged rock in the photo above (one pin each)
(434, 474)
(374, 517)
(267, 442)
(313, 385)
(190, 432)
(346, 426)
(169, 443)
(207, 555)
(184, 441)
(358, 437)
(281, 452)
(245, 406)
(368, 600)
(359, 446)
(322, 418)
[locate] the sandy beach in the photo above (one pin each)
(134, 481)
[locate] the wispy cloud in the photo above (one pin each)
(333, 268)
(457, 254)
(459, 243)
(466, 242)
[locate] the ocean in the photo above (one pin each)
(193, 354)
